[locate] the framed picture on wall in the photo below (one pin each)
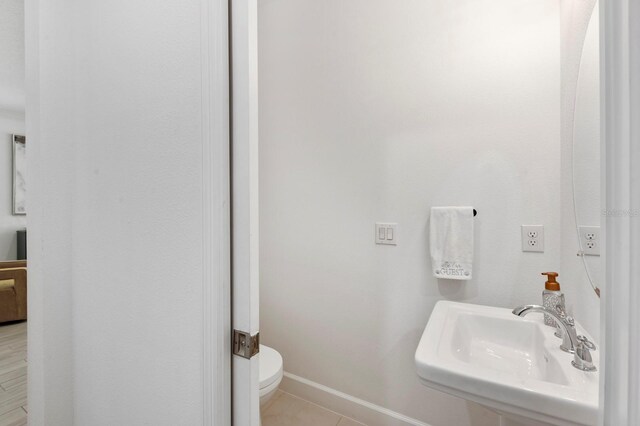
(19, 174)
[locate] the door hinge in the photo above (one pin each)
(245, 345)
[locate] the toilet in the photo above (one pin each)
(270, 365)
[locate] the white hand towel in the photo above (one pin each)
(452, 242)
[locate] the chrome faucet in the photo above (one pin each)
(563, 322)
(571, 342)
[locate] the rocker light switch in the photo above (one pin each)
(386, 233)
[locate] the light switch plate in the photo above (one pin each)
(386, 233)
(533, 238)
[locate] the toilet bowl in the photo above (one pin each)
(270, 365)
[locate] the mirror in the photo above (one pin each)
(586, 154)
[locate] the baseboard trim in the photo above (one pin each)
(342, 403)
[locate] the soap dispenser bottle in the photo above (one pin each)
(552, 297)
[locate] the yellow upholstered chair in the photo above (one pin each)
(13, 291)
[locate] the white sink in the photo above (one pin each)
(510, 364)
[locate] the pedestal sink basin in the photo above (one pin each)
(509, 364)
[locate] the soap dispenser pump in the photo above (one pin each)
(552, 297)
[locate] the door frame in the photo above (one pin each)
(244, 204)
(620, 110)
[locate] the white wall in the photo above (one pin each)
(12, 57)
(123, 129)
(376, 111)
(11, 116)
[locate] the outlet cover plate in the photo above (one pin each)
(533, 238)
(590, 240)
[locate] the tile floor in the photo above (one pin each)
(288, 410)
(13, 374)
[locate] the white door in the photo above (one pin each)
(245, 220)
(128, 125)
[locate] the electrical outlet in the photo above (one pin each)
(590, 240)
(387, 233)
(533, 238)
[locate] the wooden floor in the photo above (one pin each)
(13, 374)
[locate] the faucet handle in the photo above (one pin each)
(567, 320)
(586, 343)
(563, 315)
(560, 311)
(582, 356)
